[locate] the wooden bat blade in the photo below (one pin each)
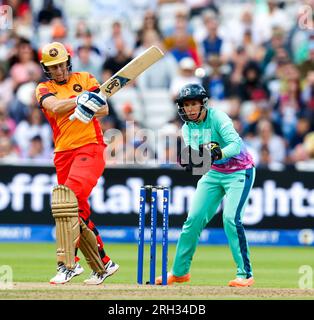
(130, 71)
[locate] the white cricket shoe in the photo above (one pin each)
(96, 278)
(65, 275)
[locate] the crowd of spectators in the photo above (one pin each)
(254, 58)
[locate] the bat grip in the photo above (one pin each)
(72, 117)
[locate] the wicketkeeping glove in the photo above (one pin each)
(215, 151)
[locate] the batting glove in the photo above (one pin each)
(83, 113)
(91, 100)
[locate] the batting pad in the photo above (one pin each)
(64, 209)
(89, 248)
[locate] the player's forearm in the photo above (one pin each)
(59, 106)
(231, 150)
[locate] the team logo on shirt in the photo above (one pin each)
(77, 87)
(53, 52)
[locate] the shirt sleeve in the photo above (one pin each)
(186, 134)
(92, 84)
(42, 92)
(229, 135)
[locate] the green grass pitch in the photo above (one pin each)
(273, 267)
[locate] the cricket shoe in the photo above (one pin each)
(97, 278)
(65, 275)
(241, 282)
(172, 278)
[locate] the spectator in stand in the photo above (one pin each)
(289, 108)
(186, 75)
(308, 95)
(255, 52)
(237, 28)
(48, 12)
(87, 60)
(6, 86)
(265, 161)
(7, 125)
(31, 127)
(274, 17)
(181, 23)
(303, 154)
(161, 73)
(252, 85)
(279, 60)
(59, 33)
(268, 142)
(297, 38)
(184, 46)
(119, 34)
(285, 70)
(86, 39)
(115, 63)
(276, 43)
(308, 64)
(150, 23)
(36, 151)
(179, 41)
(7, 151)
(237, 62)
(23, 55)
(25, 81)
(303, 127)
(216, 82)
(22, 16)
(212, 43)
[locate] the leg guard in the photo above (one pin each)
(89, 248)
(65, 212)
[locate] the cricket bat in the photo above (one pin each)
(129, 72)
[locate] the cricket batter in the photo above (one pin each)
(232, 175)
(79, 161)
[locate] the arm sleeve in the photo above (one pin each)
(186, 135)
(228, 134)
(92, 84)
(42, 92)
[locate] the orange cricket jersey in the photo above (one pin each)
(68, 135)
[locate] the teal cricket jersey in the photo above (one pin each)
(218, 127)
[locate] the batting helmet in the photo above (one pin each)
(52, 54)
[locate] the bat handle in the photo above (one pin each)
(72, 117)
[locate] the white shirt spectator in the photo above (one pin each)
(160, 75)
(26, 130)
(187, 69)
(266, 137)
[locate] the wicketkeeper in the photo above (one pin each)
(79, 160)
(209, 135)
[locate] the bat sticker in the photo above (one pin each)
(118, 81)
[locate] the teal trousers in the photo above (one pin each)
(211, 189)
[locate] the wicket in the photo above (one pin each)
(149, 193)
